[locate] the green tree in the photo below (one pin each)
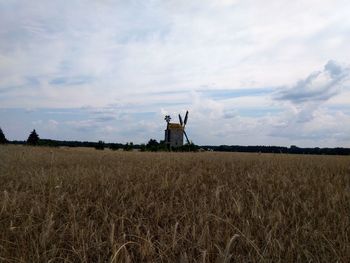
(152, 145)
(191, 147)
(143, 147)
(33, 138)
(100, 145)
(128, 146)
(3, 139)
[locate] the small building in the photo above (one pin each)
(174, 135)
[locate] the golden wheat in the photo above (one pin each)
(84, 205)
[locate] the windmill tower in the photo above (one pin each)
(174, 133)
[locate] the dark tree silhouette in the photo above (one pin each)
(152, 142)
(3, 139)
(152, 145)
(128, 146)
(100, 145)
(33, 138)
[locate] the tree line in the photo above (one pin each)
(155, 146)
(279, 149)
(152, 145)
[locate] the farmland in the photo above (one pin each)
(85, 205)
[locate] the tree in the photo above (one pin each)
(33, 138)
(152, 145)
(143, 147)
(100, 145)
(128, 146)
(3, 139)
(191, 147)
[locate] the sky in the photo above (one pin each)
(249, 72)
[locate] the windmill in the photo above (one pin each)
(175, 131)
(183, 124)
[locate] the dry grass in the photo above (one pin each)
(84, 205)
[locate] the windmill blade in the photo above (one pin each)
(186, 117)
(180, 119)
(186, 137)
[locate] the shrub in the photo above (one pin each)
(100, 145)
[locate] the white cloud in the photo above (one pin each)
(154, 46)
(318, 86)
(52, 124)
(156, 56)
(307, 95)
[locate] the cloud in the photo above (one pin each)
(219, 94)
(318, 86)
(311, 112)
(325, 128)
(95, 53)
(77, 80)
(112, 68)
(53, 124)
(309, 94)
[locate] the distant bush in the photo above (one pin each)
(115, 146)
(143, 147)
(155, 146)
(187, 148)
(128, 146)
(48, 143)
(100, 145)
(152, 145)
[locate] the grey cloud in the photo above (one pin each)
(333, 68)
(318, 86)
(219, 94)
(230, 114)
(83, 125)
(105, 118)
(78, 80)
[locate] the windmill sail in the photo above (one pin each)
(186, 117)
(188, 141)
(180, 119)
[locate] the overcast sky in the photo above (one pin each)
(249, 72)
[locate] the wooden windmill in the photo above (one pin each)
(175, 131)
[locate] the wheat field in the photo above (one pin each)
(85, 205)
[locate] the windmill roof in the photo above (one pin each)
(174, 126)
